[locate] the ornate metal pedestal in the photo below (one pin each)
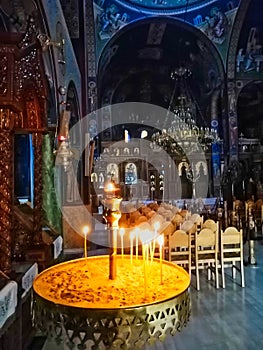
(111, 328)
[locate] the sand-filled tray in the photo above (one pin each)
(85, 282)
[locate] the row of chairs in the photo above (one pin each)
(206, 249)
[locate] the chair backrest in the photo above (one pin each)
(231, 236)
(197, 219)
(179, 239)
(177, 219)
(211, 224)
(180, 248)
(206, 238)
(188, 226)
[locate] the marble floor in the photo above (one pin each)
(221, 319)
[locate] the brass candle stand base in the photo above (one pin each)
(108, 328)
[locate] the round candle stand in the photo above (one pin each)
(73, 321)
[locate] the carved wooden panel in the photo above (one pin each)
(37, 222)
(6, 186)
(23, 96)
(6, 68)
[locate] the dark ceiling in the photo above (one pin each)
(148, 52)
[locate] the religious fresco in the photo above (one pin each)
(249, 57)
(216, 24)
(214, 18)
(109, 17)
(161, 7)
(216, 21)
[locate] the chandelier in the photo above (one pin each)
(181, 134)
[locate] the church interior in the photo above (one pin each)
(129, 129)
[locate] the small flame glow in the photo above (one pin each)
(122, 231)
(146, 236)
(86, 230)
(160, 240)
(156, 226)
(110, 187)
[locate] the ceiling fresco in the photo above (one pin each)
(169, 6)
(249, 71)
(213, 17)
(136, 40)
(140, 69)
(249, 54)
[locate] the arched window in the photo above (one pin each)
(144, 134)
(126, 136)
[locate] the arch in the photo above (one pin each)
(166, 20)
(233, 43)
(202, 56)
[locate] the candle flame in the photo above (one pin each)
(110, 187)
(156, 226)
(160, 240)
(145, 236)
(86, 230)
(122, 231)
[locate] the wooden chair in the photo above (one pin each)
(211, 224)
(188, 226)
(231, 251)
(197, 220)
(180, 249)
(206, 254)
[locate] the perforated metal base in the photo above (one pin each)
(112, 328)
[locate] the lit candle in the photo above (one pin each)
(161, 242)
(85, 230)
(144, 237)
(147, 254)
(152, 248)
(121, 234)
(156, 228)
(110, 189)
(131, 246)
(137, 242)
(145, 269)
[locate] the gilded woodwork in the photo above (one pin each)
(6, 186)
(23, 109)
(37, 216)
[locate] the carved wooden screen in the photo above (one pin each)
(22, 110)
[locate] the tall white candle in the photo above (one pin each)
(161, 242)
(136, 242)
(85, 230)
(156, 228)
(144, 247)
(131, 246)
(122, 248)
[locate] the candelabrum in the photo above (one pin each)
(182, 138)
(182, 135)
(64, 155)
